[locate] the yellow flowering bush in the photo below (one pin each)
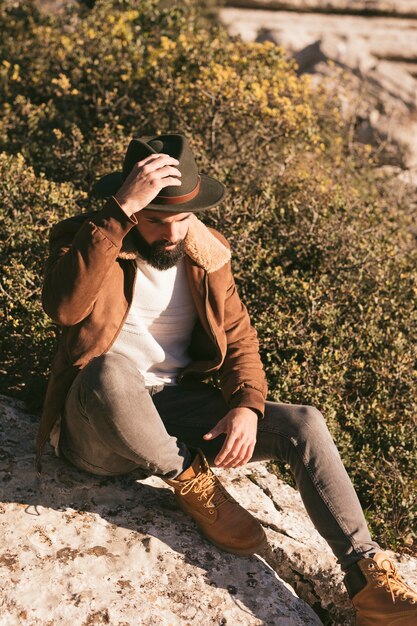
(324, 254)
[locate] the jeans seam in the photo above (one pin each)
(68, 453)
(328, 504)
(348, 535)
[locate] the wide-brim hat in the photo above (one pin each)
(196, 192)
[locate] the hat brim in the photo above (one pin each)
(211, 193)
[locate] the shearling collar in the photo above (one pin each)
(200, 245)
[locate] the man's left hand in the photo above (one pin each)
(240, 426)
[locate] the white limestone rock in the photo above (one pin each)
(85, 550)
(378, 55)
(387, 38)
(398, 8)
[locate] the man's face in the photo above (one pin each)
(160, 237)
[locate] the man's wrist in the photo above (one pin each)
(128, 205)
(248, 408)
(256, 411)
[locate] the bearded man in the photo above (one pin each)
(150, 313)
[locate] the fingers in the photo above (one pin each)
(235, 453)
(238, 458)
(240, 426)
(145, 181)
(170, 182)
(159, 172)
(168, 170)
(244, 457)
(165, 177)
(219, 428)
(156, 161)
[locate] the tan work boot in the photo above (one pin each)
(384, 599)
(220, 518)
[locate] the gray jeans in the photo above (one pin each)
(113, 424)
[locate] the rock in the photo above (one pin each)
(346, 54)
(378, 57)
(395, 82)
(84, 550)
(387, 38)
(411, 68)
(400, 8)
(383, 100)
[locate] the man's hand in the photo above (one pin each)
(146, 180)
(240, 426)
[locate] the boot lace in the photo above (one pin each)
(204, 484)
(391, 580)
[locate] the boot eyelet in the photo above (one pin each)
(371, 566)
(211, 511)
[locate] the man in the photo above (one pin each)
(149, 309)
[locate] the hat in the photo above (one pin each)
(196, 192)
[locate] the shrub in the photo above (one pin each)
(31, 205)
(324, 254)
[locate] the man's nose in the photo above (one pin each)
(171, 232)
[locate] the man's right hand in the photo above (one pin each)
(146, 180)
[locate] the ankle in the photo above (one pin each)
(354, 579)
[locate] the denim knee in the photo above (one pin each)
(312, 425)
(112, 372)
(311, 437)
(296, 422)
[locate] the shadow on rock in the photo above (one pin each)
(109, 542)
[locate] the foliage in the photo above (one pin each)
(324, 255)
(31, 206)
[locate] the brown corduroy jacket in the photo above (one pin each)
(89, 282)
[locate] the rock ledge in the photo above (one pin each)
(83, 550)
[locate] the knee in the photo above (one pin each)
(311, 429)
(111, 372)
(313, 419)
(301, 423)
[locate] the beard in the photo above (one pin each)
(156, 253)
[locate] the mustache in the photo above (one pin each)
(165, 243)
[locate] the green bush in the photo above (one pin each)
(323, 247)
(31, 205)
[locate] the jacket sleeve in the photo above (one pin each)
(78, 263)
(242, 377)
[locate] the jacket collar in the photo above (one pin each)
(201, 246)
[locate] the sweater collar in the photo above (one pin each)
(200, 243)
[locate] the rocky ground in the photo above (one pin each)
(84, 551)
(368, 47)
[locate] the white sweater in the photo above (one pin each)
(157, 330)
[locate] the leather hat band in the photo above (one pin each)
(179, 199)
